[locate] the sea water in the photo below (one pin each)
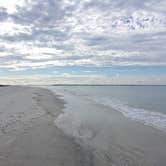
(146, 104)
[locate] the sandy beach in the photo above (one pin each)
(28, 136)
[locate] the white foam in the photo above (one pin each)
(72, 125)
(147, 117)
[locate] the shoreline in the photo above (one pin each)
(113, 137)
(28, 134)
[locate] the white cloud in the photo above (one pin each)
(11, 28)
(11, 5)
(66, 78)
(88, 32)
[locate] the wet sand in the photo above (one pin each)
(28, 136)
(128, 143)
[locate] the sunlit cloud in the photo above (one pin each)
(66, 78)
(11, 6)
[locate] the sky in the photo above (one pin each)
(83, 41)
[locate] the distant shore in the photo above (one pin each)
(4, 85)
(103, 85)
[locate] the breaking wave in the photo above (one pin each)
(147, 117)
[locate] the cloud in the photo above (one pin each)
(66, 78)
(44, 33)
(11, 6)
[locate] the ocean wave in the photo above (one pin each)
(147, 117)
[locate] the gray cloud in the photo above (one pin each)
(46, 33)
(39, 12)
(3, 14)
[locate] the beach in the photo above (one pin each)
(41, 126)
(28, 135)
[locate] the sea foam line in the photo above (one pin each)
(147, 117)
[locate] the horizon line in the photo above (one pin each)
(3, 85)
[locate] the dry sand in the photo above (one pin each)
(28, 136)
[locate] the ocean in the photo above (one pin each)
(146, 104)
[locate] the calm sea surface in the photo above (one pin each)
(151, 98)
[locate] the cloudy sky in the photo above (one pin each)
(83, 41)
